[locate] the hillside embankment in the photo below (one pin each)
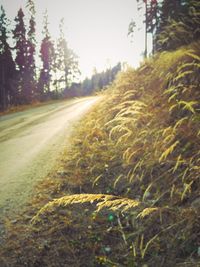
(127, 193)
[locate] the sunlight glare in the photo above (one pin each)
(96, 30)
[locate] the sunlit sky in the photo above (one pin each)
(95, 29)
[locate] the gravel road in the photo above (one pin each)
(30, 144)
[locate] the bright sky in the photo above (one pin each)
(95, 29)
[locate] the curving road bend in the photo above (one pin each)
(30, 143)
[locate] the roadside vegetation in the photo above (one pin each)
(127, 192)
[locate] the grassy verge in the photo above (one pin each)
(14, 109)
(127, 193)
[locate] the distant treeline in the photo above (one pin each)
(100, 80)
(22, 81)
(97, 82)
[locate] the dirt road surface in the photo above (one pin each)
(30, 144)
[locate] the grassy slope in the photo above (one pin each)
(137, 156)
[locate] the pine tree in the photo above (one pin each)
(21, 60)
(46, 54)
(192, 17)
(7, 66)
(67, 60)
(179, 24)
(55, 70)
(169, 12)
(86, 87)
(31, 47)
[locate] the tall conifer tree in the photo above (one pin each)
(46, 54)
(7, 66)
(31, 47)
(179, 24)
(21, 60)
(67, 59)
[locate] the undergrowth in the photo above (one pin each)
(134, 168)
